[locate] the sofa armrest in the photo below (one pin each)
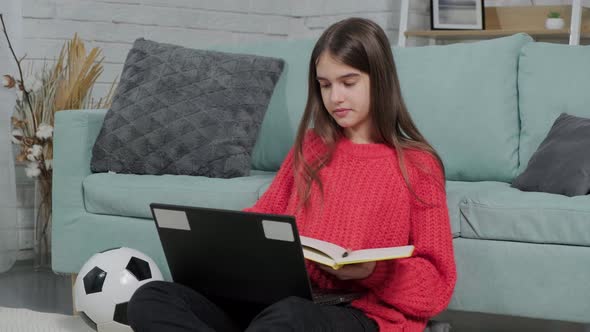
(74, 135)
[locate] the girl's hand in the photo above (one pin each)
(351, 271)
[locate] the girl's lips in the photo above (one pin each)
(341, 112)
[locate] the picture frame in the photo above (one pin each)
(457, 15)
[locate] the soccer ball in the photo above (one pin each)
(105, 284)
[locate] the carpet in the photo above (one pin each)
(25, 320)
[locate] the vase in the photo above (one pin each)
(42, 226)
(554, 23)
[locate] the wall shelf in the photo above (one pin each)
(506, 21)
(466, 34)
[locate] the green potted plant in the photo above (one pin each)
(554, 21)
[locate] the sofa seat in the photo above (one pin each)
(458, 191)
(507, 214)
(130, 195)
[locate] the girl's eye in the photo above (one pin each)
(323, 86)
(349, 84)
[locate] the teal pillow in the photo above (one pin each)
(463, 98)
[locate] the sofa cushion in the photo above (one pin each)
(463, 98)
(285, 109)
(504, 213)
(561, 164)
(183, 111)
(130, 195)
(552, 79)
(457, 191)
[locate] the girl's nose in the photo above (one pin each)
(336, 95)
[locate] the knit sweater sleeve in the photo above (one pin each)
(421, 286)
(276, 197)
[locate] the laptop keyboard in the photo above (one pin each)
(332, 297)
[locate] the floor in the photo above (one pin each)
(22, 287)
(45, 291)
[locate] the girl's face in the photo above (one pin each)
(346, 96)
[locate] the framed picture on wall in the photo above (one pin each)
(457, 15)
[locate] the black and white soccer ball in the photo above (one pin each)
(105, 284)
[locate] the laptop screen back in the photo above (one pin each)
(233, 255)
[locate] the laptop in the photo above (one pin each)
(237, 256)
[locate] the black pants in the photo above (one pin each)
(164, 306)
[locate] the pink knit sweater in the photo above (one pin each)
(366, 204)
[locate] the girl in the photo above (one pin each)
(362, 177)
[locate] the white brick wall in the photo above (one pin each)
(113, 25)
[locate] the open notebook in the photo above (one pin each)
(335, 256)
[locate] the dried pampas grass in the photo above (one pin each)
(77, 72)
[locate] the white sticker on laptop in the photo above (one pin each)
(172, 219)
(278, 230)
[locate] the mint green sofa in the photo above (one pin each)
(485, 106)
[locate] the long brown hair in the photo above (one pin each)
(361, 44)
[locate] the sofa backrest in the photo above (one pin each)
(552, 79)
(286, 106)
(463, 99)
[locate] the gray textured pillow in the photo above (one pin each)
(184, 111)
(561, 164)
